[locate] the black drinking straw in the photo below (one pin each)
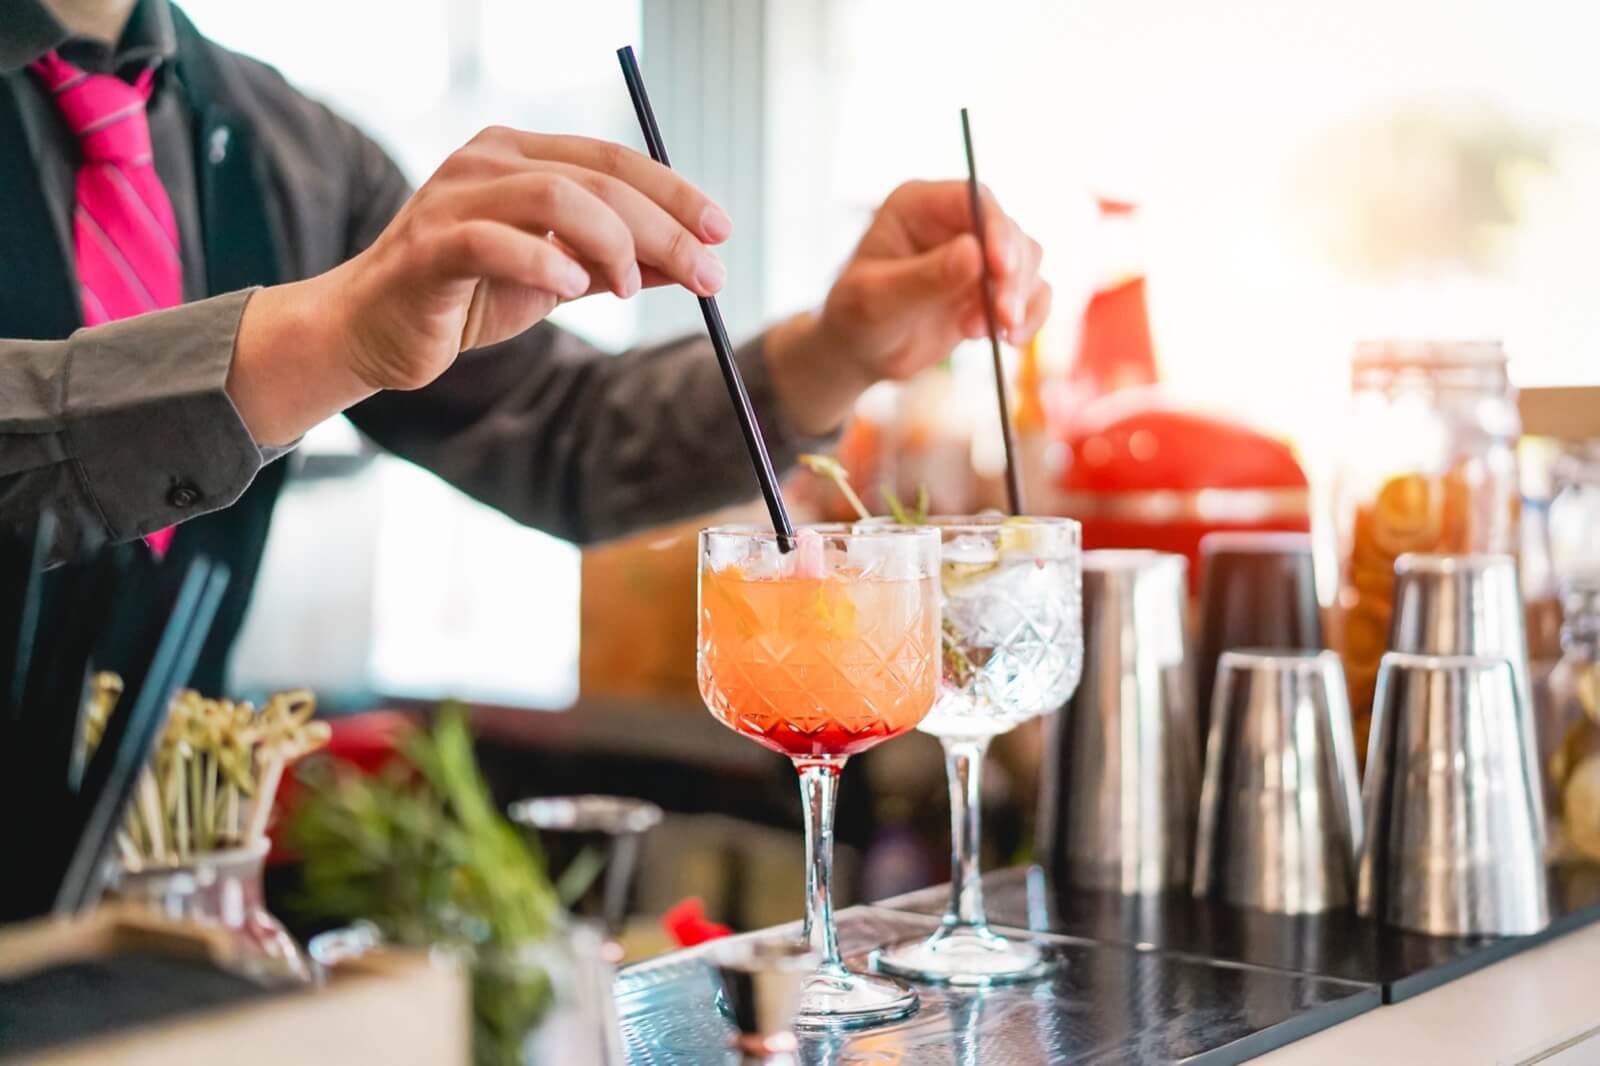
(713, 316)
(1013, 480)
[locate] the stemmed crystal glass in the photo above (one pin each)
(1012, 635)
(820, 653)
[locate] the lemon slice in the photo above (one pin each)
(1021, 535)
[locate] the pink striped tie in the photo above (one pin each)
(124, 231)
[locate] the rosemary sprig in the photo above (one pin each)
(916, 517)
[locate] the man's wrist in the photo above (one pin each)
(816, 375)
(289, 373)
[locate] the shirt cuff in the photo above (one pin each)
(154, 433)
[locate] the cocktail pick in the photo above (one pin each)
(168, 653)
(753, 439)
(1013, 478)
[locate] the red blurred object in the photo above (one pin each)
(1142, 472)
(1115, 348)
(686, 922)
(365, 741)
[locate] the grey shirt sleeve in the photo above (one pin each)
(125, 429)
(584, 445)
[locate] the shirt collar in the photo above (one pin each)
(31, 30)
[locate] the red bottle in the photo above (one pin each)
(1115, 350)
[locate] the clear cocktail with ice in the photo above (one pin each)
(1011, 650)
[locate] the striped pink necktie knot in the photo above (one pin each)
(124, 232)
(106, 113)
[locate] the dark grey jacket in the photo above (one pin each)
(106, 423)
(126, 428)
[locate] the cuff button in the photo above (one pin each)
(183, 495)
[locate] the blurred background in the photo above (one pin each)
(1283, 179)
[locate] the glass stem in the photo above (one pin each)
(819, 785)
(963, 763)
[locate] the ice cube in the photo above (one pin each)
(723, 552)
(970, 549)
(888, 556)
(809, 558)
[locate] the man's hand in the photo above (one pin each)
(509, 226)
(908, 295)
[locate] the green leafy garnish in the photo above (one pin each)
(904, 517)
(421, 851)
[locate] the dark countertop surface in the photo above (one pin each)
(1105, 1005)
(1336, 944)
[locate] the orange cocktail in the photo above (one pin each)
(808, 665)
(818, 653)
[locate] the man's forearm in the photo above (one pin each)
(286, 376)
(816, 378)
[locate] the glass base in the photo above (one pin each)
(843, 999)
(965, 956)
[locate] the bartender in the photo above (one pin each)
(198, 264)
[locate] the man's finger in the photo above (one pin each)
(1033, 320)
(935, 211)
(696, 211)
(660, 240)
(482, 249)
(540, 202)
(1014, 287)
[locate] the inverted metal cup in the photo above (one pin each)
(1280, 811)
(1257, 590)
(604, 830)
(761, 985)
(1451, 845)
(1470, 605)
(1121, 777)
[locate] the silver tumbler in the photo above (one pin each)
(1280, 810)
(1470, 605)
(1451, 845)
(1122, 773)
(1257, 590)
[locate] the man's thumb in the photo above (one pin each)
(933, 275)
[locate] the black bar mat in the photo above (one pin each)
(1337, 944)
(76, 1001)
(1105, 1005)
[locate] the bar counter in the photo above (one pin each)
(1174, 980)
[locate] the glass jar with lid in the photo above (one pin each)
(1427, 464)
